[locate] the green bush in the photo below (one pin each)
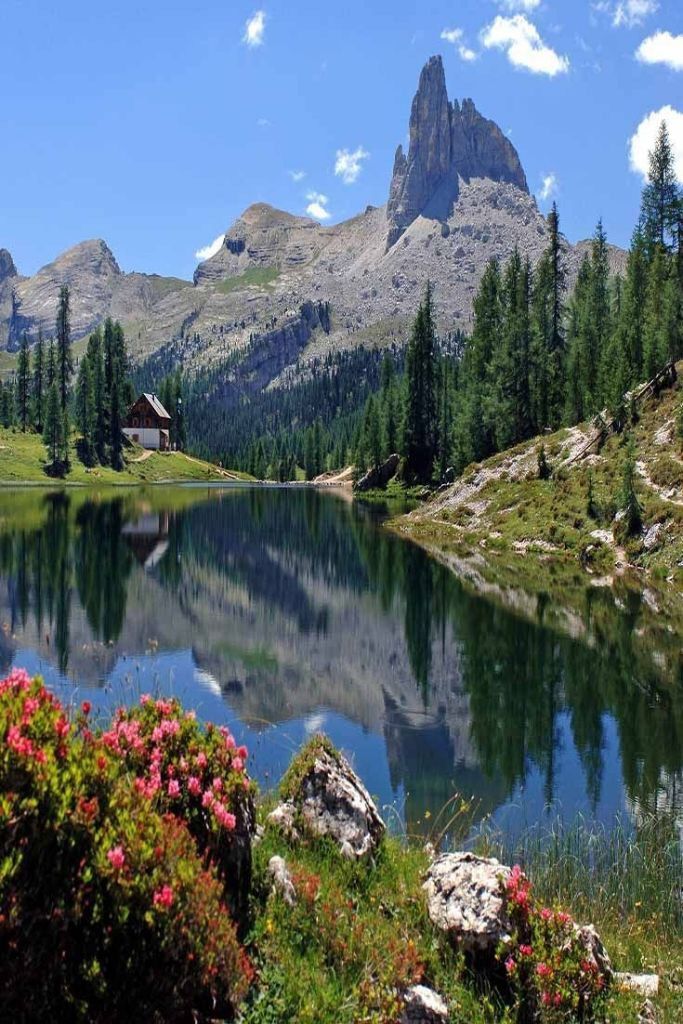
(108, 911)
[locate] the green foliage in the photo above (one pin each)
(64, 357)
(254, 277)
(544, 471)
(628, 498)
(420, 432)
(23, 387)
(109, 913)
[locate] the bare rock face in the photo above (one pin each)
(447, 142)
(330, 800)
(424, 1006)
(7, 268)
(466, 899)
(90, 271)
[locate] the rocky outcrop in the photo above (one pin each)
(378, 476)
(7, 268)
(466, 900)
(328, 799)
(283, 884)
(423, 1006)
(447, 143)
(264, 237)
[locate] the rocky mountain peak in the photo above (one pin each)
(7, 268)
(448, 142)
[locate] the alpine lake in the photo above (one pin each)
(285, 611)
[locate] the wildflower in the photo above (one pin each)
(116, 857)
(543, 970)
(217, 784)
(546, 914)
(207, 798)
(163, 897)
(86, 707)
(525, 950)
(238, 764)
(145, 699)
(194, 785)
(510, 965)
(174, 788)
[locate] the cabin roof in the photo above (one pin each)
(156, 405)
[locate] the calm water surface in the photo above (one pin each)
(282, 612)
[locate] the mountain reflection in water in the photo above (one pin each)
(282, 611)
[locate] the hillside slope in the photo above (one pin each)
(500, 526)
(23, 459)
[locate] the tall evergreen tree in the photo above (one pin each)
(661, 202)
(38, 389)
(53, 432)
(85, 410)
(420, 425)
(65, 366)
(94, 357)
(23, 389)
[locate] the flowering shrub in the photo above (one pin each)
(108, 912)
(553, 974)
(197, 775)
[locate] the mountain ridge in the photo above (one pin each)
(458, 199)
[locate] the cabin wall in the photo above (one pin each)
(148, 437)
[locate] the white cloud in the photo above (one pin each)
(523, 45)
(642, 142)
(454, 36)
(519, 5)
(263, 122)
(317, 206)
(348, 166)
(210, 250)
(633, 12)
(297, 176)
(549, 187)
(662, 48)
(254, 29)
(627, 13)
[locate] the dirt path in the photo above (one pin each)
(147, 454)
(216, 469)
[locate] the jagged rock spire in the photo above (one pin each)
(447, 142)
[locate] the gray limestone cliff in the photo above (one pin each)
(448, 142)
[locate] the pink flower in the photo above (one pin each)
(208, 799)
(145, 698)
(217, 784)
(546, 998)
(510, 965)
(238, 764)
(86, 707)
(163, 897)
(174, 788)
(61, 727)
(543, 970)
(116, 857)
(546, 914)
(525, 950)
(194, 786)
(242, 752)
(201, 759)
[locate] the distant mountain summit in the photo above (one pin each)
(448, 143)
(283, 289)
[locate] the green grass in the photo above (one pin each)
(23, 459)
(254, 277)
(363, 928)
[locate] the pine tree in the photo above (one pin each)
(38, 391)
(94, 357)
(661, 202)
(23, 389)
(86, 416)
(65, 366)
(7, 409)
(373, 433)
(655, 336)
(53, 432)
(51, 365)
(115, 429)
(420, 426)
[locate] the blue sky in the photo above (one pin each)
(153, 125)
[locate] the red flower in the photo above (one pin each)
(116, 857)
(86, 707)
(163, 897)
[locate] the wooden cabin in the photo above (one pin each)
(148, 424)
